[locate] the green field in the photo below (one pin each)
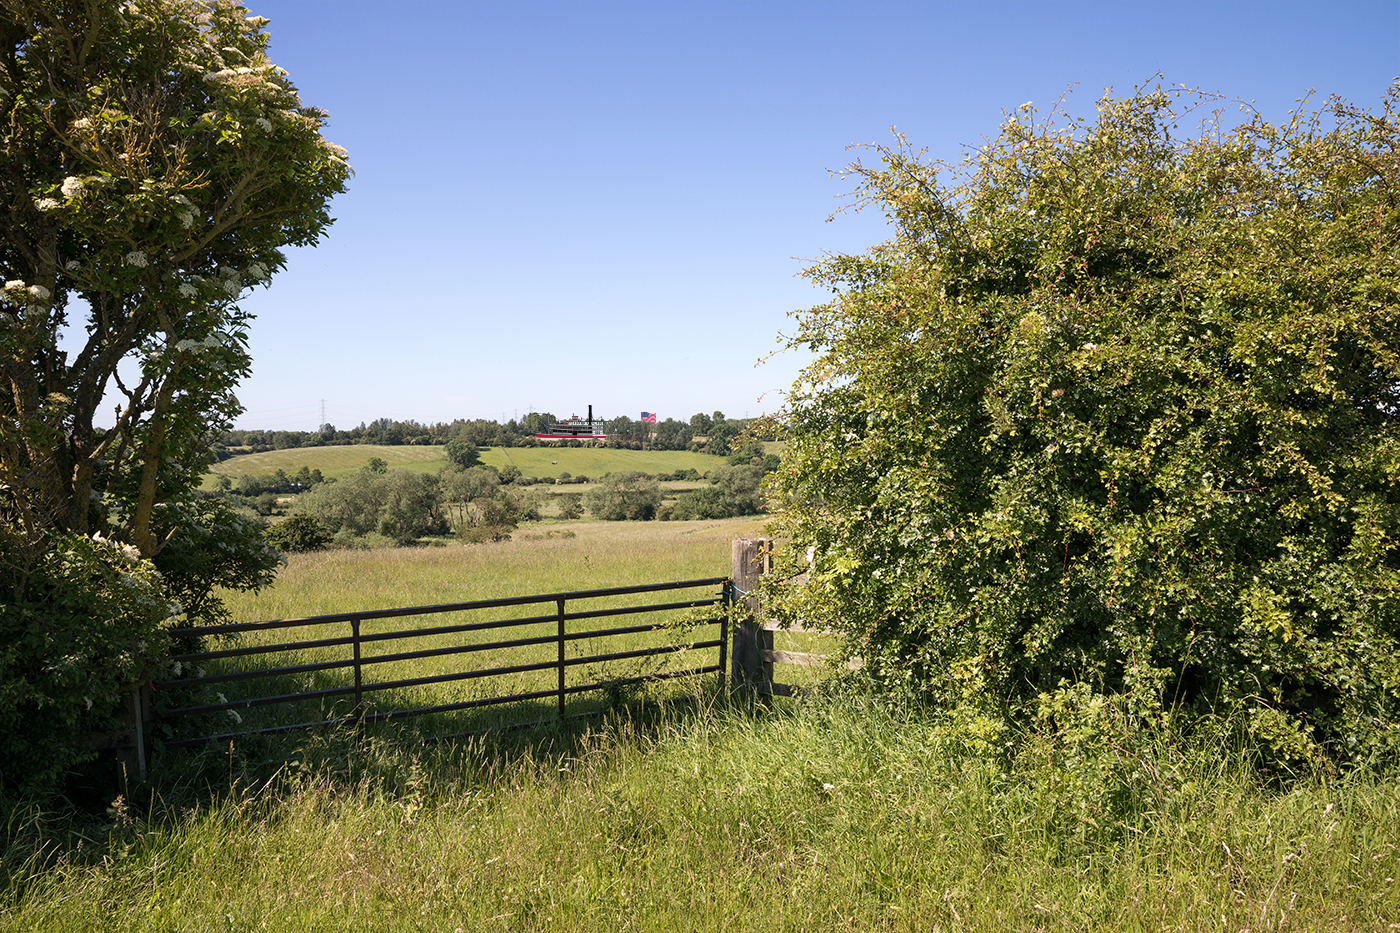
(531, 461)
(553, 558)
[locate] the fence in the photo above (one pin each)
(345, 633)
(753, 659)
(754, 652)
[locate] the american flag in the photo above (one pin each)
(649, 417)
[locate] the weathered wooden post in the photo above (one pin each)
(129, 739)
(751, 559)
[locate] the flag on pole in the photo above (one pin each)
(649, 417)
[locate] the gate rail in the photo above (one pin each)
(358, 662)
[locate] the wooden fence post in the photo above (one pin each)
(751, 559)
(129, 739)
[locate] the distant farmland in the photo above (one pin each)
(531, 461)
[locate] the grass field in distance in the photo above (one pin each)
(334, 462)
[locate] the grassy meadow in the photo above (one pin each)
(541, 559)
(531, 461)
(834, 812)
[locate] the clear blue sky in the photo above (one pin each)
(558, 204)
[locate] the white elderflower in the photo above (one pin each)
(14, 285)
(72, 187)
(83, 124)
(47, 204)
(72, 265)
(39, 292)
(265, 123)
(187, 344)
(257, 272)
(233, 288)
(1091, 347)
(186, 219)
(211, 342)
(137, 258)
(187, 290)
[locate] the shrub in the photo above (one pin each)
(1119, 411)
(86, 626)
(735, 491)
(624, 496)
(300, 532)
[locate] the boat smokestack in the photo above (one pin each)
(590, 416)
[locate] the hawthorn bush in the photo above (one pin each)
(1108, 428)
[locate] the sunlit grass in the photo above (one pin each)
(541, 559)
(828, 815)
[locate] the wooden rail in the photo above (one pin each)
(754, 655)
(343, 635)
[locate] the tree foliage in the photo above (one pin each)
(301, 531)
(154, 165)
(399, 506)
(1112, 418)
(462, 452)
(733, 490)
(624, 496)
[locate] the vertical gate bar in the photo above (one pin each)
(561, 657)
(728, 597)
(359, 706)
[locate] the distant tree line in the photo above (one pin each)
(712, 433)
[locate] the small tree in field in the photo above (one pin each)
(462, 452)
(1113, 421)
(624, 496)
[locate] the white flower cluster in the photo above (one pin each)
(228, 74)
(257, 272)
(19, 291)
(72, 265)
(264, 123)
(84, 123)
(187, 290)
(48, 204)
(208, 343)
(72, 187)
(137, 258)
(187, 214)
(129, 551)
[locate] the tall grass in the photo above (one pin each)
(832, 814)
(592, 556)
(599, 554)
(838, 812)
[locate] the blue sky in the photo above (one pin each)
(564, 204)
